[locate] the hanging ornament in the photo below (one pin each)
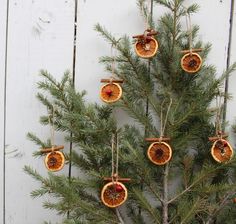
(146, 45)
(114, 193)
(191, 61)
(160, 152)
(221, 149)
(112, 91)
(54, 159)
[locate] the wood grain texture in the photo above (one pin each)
(214, 29)
(3, 24)
(40, 37)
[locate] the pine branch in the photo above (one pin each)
(165, 195)
(107, 36)
(146, 206)
(119, 216)
(136, 218)
(34, 174)
(228, 72)
(32, 137)
(200, 177)
(188, 125)
(221, 205)
(165, 3)
(197, 206)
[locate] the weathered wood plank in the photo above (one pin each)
(119, 17)
(213, 21)
(3, 23)
(40, 36)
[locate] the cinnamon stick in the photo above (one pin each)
(157, 139)
(217, 138)
(119, 179)
(193, 50)
(55, 148)
(112, 80)
(148, 34)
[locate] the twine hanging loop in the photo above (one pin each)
(163, 123)
(51, 122)
(115, 158)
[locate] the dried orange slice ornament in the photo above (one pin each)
(114, 194)
(159, 153)
(54, 161)
(146, 45)
(191, 62)
(146, 48)
(222, 151)
(110, 92)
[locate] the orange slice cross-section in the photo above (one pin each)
(114, 194)
(159, 153)
(110, 92)
(221, 151)
(54, 161)
(146, 49)
(191, 62)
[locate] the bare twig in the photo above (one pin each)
(119, 216)
(165, 195)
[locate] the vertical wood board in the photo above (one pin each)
(213, 21)
(3, 21)
(40, 36)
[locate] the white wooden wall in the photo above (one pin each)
(40, 35)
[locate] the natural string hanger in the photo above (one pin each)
(148, 14)
(113, 63)
(163, 125)
(113, 56)
(115, 167)
(189, 29)
(52, 128)
(218, 122)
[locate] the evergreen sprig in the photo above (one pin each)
(192, 187)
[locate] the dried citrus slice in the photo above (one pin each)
(114, 194)
(159, 153)
(54, 161)
(221, 151)
(146, 48)
(110, 92)
(191, 62)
